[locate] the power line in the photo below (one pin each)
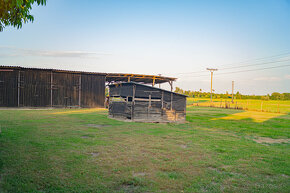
(242, 66)
(245, 70)
(257, 59)
(255, 69)
(254, 64)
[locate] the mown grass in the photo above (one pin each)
(274, 106)
(87, 152)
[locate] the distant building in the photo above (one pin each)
(138, 102)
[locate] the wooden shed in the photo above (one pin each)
(138, 102)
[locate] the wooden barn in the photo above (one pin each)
(139, 102)
(33, 87)
(52, 88)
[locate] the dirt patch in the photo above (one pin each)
(284, 175)
(214, 169)
(97, 125)
(95, 154)
(128, 188)
(270, 140)
(84, 136)
(183, 146)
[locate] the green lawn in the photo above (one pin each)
(87, 152)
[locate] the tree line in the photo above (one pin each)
(237, 95)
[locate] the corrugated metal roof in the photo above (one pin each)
(110, 77)
(53, 70)
(124, 83)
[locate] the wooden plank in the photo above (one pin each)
(51, 88)
(80, 90)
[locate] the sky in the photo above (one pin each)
(176, 38)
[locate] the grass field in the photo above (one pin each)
(273, 106)
(216, 150)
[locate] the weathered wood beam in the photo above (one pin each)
(80, 90)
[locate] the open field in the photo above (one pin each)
(273, 106)
(217, 150)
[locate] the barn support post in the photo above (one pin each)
(171, 101)
(18, 89)
(133, 102)
(51, 87)
(162, 99)
(184, 110)
(80, 88)
(171, 85)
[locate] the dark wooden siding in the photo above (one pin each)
(148, 104)
(8, 88)
(122, 90)
(93, 91)
(44, 88)
(34, 88)
(65, 90)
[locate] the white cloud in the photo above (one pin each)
(13, 51)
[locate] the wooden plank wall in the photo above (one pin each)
(34, 88)
(43, 88)
(65, 90)
(8, 88)
(93, 91)
(149, 104)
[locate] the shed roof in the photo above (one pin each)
(155, 88)
(110, 77)
(142, 78)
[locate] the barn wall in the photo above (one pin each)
(34, 88)
(149, 104)
(92, 91)
(8, 88)
(120, 109)
(45, 88)
(65, 90)
(122, 90)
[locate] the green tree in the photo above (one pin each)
(16, 12)
(275, 96)
(286, 96)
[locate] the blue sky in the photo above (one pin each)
(159, 37)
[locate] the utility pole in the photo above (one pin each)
(233, 82)
(211, 75)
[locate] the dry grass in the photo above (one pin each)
(273, 106)
(254, 115)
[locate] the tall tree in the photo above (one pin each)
(16, 12)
